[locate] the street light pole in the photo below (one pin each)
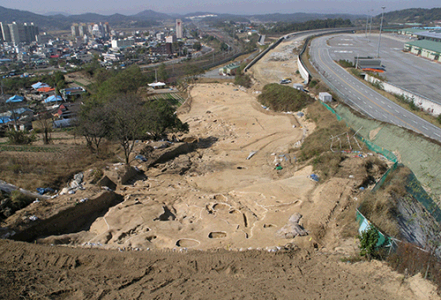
(370, 26)
(367, 20)
(381, 27)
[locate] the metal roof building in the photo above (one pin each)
(410, 31)
(432, 35)
(425, 48)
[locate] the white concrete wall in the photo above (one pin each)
(414, 50)
(302, 70)
(426, 104)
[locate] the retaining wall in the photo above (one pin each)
(302, 70)
(421, 102)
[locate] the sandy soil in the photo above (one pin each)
(223, 200)
(40, 272)
(214, 197)
(278, 64)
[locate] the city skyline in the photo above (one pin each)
(243, 7)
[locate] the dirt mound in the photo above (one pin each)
(44, 272)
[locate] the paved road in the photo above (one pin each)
(406, 70)
(363, 98)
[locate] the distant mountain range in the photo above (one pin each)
(63, 21)
(413, 15)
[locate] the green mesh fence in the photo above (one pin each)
(414, 188)
(383, 178)
(331, 110)
(386, 153)
(371, 146)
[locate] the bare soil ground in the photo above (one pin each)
(212, 198)
(40, 272)
(277, 64)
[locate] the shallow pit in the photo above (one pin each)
(187, 243)
(217, 234)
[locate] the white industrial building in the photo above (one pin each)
(121, 44)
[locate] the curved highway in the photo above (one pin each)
(363, 98)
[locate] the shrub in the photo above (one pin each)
(377, 85)
(356, 72)
(313, 83)
(19, 200)
(97, 174)
(243, 80)
(18, 137)
(283, 98)
(368, 242)
(345, 63)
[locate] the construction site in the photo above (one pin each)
(236, 208)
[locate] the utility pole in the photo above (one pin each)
(381, 27)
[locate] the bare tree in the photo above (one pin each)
(128, 119)
(94, 125)
(45, 121)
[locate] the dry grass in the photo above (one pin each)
(327, 125)
(349, 228)
(395, 182)
(327, 164)
(30, 170)
(381, 207)
(409, 260)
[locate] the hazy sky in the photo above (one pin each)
(128, 7)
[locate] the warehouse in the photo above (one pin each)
(425, 48)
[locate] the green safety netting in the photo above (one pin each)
(413, 186)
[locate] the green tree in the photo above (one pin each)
(191, 72)
(162, 73)
(162, 119)
(224, 47)
(197, 46)
(124, 82)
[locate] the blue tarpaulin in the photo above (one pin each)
(53, 98)
(314, 177)
(141, 158)
(15, 99)
(42, 191)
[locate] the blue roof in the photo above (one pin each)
(20, 110)
(4, 119)
(40, 85)
(15, 99)
(53, 98)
